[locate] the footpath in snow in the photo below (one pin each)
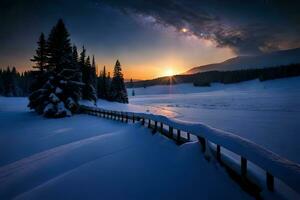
(84, 157)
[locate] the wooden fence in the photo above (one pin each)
(273, 165)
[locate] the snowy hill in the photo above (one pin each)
(247, 62)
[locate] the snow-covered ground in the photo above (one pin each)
(267, 113)
(85, 157)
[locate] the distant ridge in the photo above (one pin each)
(276, 58)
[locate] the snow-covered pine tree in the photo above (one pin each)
(59, 95)
(118, 91)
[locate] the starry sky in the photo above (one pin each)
(152, 38)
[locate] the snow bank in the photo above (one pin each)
(285, 170)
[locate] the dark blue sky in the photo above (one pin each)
(152, 37)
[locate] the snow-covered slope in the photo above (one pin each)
(246, 62)
(85, 157)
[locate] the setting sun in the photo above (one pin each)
(168, 72)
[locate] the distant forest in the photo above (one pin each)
(226, 77)
(13, 83)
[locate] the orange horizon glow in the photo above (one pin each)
(174, 55)
(141, 65)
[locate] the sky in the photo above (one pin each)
(151, 38)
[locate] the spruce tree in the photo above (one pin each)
(41, 62)
(41, 54)
(75, 61)
(100, 84)
(94, 73)
(108, 86)
(103, 85)
(59, 95)
(89, 92)
(118, 91)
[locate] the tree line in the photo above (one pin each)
(13, 83)
(61, 77)
(236, 76)
(226, 77)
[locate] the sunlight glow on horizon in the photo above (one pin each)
(168, 72)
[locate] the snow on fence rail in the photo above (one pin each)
(274, 165)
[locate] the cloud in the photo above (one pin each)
(246, 27)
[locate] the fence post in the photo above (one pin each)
(202, 142)
(270, 181)
(171, 131)
(149, 123)
(243, 167)
(143, 120)
(161, 127)
(155, 127)
(218, 153)
(133, 119)
(188, 136)
(178, 135)
(126, 117)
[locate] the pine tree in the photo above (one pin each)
(59, 48)
(100, 84)
(75, 61)
(93, 73)
(76, 65)
(41, 54)
(89, 92)
(118, 91)
(41, 61)
(108, 86)
(103, 85)
(59, 95)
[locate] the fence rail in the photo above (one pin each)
(273, 165)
